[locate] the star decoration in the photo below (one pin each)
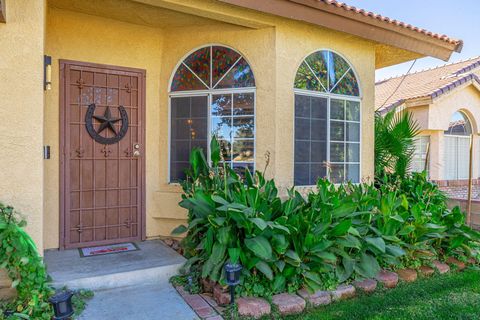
(106, 121)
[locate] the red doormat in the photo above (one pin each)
(113, 248)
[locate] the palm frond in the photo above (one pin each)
(395, 134)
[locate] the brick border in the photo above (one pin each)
(203, 304)
(207, 308)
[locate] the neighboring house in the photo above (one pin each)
(135, 84)
(445, 101)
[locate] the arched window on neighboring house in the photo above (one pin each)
(212, 93)
(327, 120)
(457, 144)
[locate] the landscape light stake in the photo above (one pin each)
(232, 272)
(62, 305)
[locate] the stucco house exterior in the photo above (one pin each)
(101, 102)
(445, 102)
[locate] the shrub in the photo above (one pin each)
(335, 234)
(19, 256)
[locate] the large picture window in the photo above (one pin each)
(327, 120)
(212, 93)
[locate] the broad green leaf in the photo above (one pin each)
(344, 209)
(353, 231)
(179, 230)
(368, 266)
(220, 200)
(279, 243)
(259, 222)
(219, 221)
(218, 254)
(280, 264)
(260, 247)
(341, 228)
(325, 255)
(313, 277)
(321, 246)
(395, 251)
(377, 243)
(234, 255)
(214, 152)
(279, 284)
(265, 269)
(224, 235)
(293, 255)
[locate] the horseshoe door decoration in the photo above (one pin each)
(107, 122)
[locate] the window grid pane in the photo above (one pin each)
(188, 130)
(310, 139)
(334, 141)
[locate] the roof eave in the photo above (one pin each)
(333, 17)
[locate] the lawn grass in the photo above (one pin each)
(451, 296)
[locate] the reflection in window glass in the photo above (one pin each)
(231, 118)
(327, 124)
(188, 130)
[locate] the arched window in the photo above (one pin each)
(457, 144)
(327, 120)
(459, 125)
(212, 93)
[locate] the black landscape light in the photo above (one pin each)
(232, 272)
(62, 305)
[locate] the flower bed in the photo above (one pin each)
(335, 235)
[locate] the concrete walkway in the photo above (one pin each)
(153, 263)
(128, 285)
(138, 303)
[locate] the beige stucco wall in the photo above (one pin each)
(88, 38)
(21, 111)
(434, 119)
(294, 42)
(274, 54)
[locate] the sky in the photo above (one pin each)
(459, 19)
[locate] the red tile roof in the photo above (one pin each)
(434, 82)
(379, 17)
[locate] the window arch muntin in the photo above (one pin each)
(211, 86)
(332, 96)
(462, 126)
(339, 55)
(209, 93)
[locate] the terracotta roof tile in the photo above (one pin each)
(379, 17)
(431, 82)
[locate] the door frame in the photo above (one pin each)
(63, 126)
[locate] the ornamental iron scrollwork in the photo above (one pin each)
(107, 122)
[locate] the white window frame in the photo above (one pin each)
(330, 96)
(209, 93)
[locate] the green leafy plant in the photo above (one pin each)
(394, 142)
(334, 234)
(19, 256)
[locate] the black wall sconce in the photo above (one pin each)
(47, 72)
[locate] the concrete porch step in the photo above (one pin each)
(154, 263)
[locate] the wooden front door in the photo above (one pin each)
(102, 154)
